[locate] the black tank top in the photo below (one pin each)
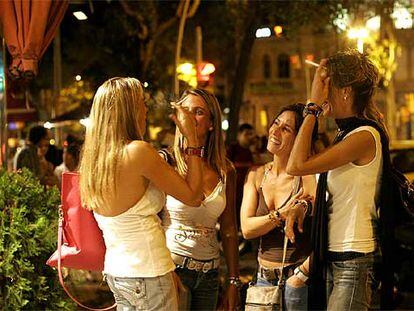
(271, 244)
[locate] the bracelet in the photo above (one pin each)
(274, 216)
(235, 280)
(192, 151)
(313, 109)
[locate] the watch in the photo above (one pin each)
(313, 109)
(234, 280)
(192, 151)
(300, 274)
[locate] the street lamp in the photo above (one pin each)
(360, 34)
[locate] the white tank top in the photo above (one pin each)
(353, 190)
(135, 241)
(191, 231)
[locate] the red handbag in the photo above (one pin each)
(80, 241)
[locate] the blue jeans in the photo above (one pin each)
(294, 298)
(350, 283)
(157, 293)
(203, 287)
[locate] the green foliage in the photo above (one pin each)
(28, 226)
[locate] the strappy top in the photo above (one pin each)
(271, 244)
(191, 231)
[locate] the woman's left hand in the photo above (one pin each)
(293, 212)
(231, 299)
(295, 282)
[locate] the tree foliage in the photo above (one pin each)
(28, 226)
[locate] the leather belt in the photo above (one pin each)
(344, 256)
(194, 264)
(274, 274)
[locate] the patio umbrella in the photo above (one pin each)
(29, 26)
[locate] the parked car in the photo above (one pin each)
(402, 156)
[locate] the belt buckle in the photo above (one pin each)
(199, 265)
(207, 266)
(191, 265)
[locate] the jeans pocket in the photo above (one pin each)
(133, 290)
(296, 293)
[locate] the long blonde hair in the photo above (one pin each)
(117, 107)
(214, 148)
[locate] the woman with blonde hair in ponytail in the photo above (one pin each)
(345, 237)
(123, 180)
(191, 232)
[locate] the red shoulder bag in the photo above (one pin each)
(80, 241)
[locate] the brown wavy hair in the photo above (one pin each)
(351, 68)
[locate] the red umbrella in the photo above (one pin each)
(29, 26)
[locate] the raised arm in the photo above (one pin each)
(358, 148)
(254, 226)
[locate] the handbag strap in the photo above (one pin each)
(61, 281)
(282, 276)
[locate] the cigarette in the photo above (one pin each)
(309, 62)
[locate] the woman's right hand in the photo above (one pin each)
(320, 83)
(186, 123)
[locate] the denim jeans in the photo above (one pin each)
(350, 284)
(156, 293)
(294, 298)
(203, 287)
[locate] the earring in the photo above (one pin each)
(345, 97)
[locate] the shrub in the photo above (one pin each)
(28, 231)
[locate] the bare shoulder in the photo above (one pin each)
(139, 149)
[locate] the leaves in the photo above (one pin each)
(28, 224)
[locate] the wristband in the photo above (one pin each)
(300, 274)
(192, 151)
(313, 109)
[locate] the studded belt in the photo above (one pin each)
(274, 274)
(194, 264)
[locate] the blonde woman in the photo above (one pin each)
(123, 181)
(191, 232)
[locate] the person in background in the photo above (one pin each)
(242, 157)
(191, 232)
(32, 156)
(70, 162)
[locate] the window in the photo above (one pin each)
(266, 66)
(283, 66)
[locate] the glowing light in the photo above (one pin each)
(278, 30)
(374, 23)
(342, 21)
(207, 69)
(359, 34)
(80, 15)
(85, 122)
(145, 84)
(263, 118)
(226, 110)
(78, 78)
(48, 125)
(225, 125)
(188, 73)
(263, 32)
(402, 17)
(52, 141)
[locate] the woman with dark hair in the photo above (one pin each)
(191, 232)
(270, 196)
(343, 232)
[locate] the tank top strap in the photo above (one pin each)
(268, 167)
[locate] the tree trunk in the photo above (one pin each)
(237, 92)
